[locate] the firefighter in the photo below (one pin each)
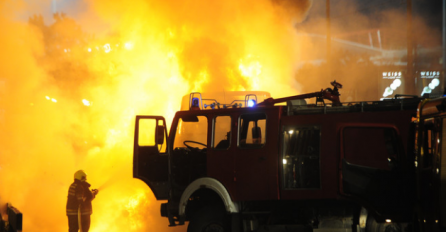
(79, 200)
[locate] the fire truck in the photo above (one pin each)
(288, 165)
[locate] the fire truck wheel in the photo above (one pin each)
(209, 219)
(373, 226)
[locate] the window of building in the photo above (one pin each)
(193, 130)
(301, 151)
(370, 146)
(252, 130)
(222, 132)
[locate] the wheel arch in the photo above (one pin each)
(209, 184)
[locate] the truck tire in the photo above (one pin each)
(212, 218)
(373, 226)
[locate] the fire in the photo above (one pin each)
(86, 102)
(142, 64)
(251, 70)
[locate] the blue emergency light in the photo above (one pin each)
(251, 103)
(195, 102)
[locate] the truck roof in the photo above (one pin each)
(301, 108)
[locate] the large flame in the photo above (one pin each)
(70, 90)
(69, 104)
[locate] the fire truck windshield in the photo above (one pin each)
(193, 131)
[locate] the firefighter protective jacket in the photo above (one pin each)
(79, 195)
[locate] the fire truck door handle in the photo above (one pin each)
(262, 158)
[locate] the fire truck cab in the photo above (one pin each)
(293, 167)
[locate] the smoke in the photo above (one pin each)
(70, 89)
(367, 40)
(69, 92)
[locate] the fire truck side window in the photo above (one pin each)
(222, 132)
(370, 146)
(191, 130)
(147, 129)
(252, 128)
(301, 151)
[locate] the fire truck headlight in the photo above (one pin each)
(251, 103)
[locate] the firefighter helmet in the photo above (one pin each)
(80, 175)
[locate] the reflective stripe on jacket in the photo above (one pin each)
(79, 194)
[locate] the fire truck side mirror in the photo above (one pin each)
(160, 135)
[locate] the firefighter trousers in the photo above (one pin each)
(73, 223)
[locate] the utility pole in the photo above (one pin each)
(444, 47)
(327, 8)
(410, 79)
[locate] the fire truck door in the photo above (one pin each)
(370, 167)
(251, 160)
(150, 160)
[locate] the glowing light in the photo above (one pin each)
(47, 98)
(416, 164)
(431, 86)
(396, 83)
(290, 132)
(128, 46)
(388, 220)
(251, 70)
(284, 161)
(107, 48)
(435, 82)
(251, 103)
(387, 92)
(86, 102)
(53, 100)
(438, 171)
(426, 89)
(436, 221)
(89, 49)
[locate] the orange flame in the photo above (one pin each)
(151, 55)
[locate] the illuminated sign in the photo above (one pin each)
(430, 74)
(429, 82)
(392, 81)
(391, 75)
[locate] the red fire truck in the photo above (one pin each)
(283, 164)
